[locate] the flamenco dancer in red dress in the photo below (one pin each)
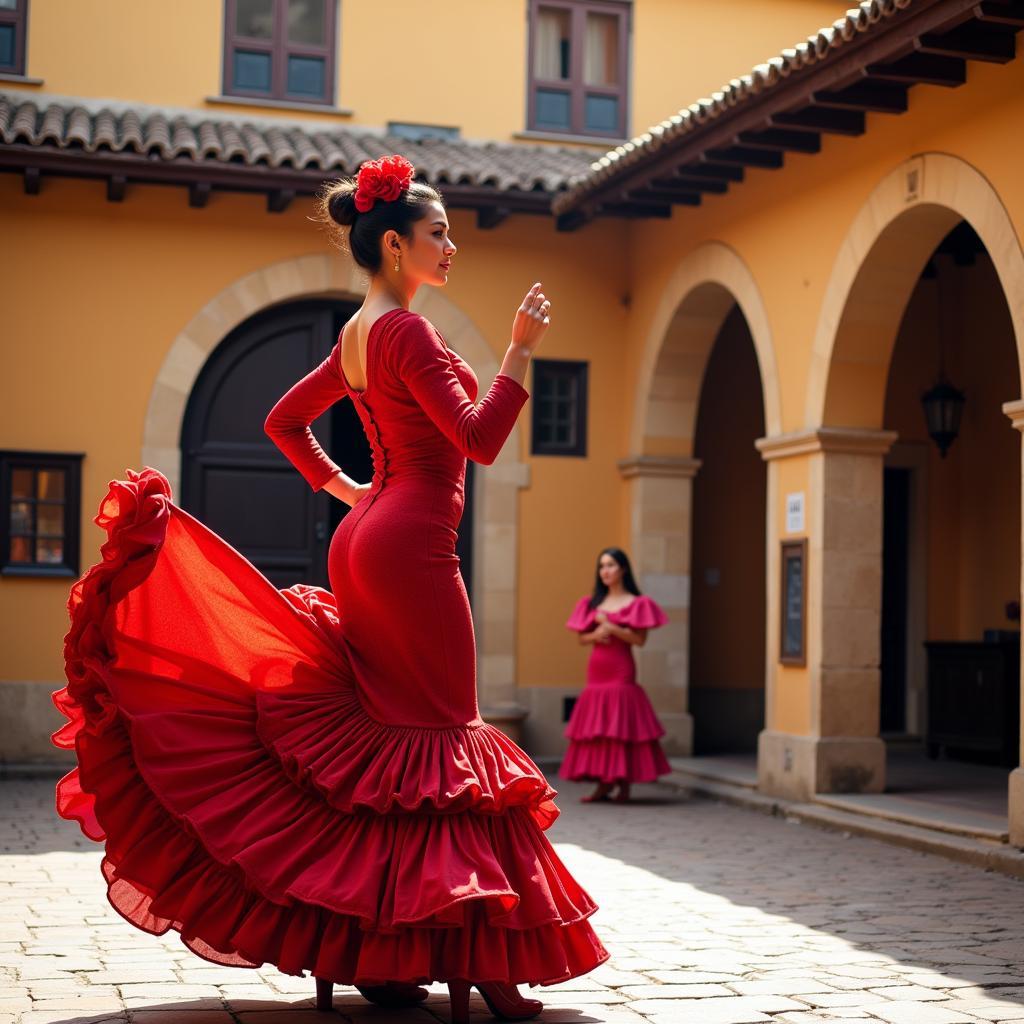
(613, 731)
(299, 777)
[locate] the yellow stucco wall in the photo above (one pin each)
(461, 63)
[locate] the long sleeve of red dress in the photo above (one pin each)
(422, 361)
(417, 359)
(287, 425)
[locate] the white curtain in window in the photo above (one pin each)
(551, 44)
(601, 50)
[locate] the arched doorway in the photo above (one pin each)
(710, 287)
(236, 481)
(951, 529)
(727, 614)
(861, 380)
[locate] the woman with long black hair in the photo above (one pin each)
(613, 731)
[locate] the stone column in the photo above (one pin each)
(822, 719)
(496, 556)
(1015, 410)
(661, 517)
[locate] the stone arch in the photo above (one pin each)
(694, 304)
(876, 267)
(888, 244)
(496, 527)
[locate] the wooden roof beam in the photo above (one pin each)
(489, 217)
(922, 67)
(663, 211)
(972, 42)
(710, 171)
(743, 156)
(279, 199)
(818, 119)
(690, 184)
(876, 97)
(1000, 12)
(651, 194)
(117, 185)
(777, 139)
(199, 194)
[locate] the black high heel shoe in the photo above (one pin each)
(396, 995)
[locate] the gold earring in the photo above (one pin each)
(396, 263)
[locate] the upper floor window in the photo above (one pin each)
(280, 49)
(579, 67)
(40, 498)
(13, 14)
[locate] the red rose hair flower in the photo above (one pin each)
(386, 178)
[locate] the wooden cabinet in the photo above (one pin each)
(974, 698)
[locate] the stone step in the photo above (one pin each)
(979, 852)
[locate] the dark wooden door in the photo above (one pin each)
(233, 477)
(895, 595)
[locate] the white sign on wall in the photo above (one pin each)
(795, 512)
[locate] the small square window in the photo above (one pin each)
(559, 420)
(13, 16)
(40, 495)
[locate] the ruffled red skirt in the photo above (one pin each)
(248, 801)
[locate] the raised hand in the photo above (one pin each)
(531, 320)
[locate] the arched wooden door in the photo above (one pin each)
(236, 481)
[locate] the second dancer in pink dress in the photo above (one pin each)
(613, 731)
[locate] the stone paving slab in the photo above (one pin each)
(712, 914)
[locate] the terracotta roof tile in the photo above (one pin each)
(69, 123)
(814, 49)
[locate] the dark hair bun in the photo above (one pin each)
(361, 233)
(341, 202)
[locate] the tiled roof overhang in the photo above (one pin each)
(126, 144)
(864, 63)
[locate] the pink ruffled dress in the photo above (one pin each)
(613, 732)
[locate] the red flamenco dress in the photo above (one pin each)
(613, 731)
(303, 778)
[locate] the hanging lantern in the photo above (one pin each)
(943, 407)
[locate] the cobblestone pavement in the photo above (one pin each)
(713, 915)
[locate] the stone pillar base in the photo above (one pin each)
(797, 767)
(508, 718)
(678, 738)
(1017, 807)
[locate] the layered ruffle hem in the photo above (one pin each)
(614, 731)
(613, 736)
(248, 801)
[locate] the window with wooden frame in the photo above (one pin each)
(559, 425)
(40, 494)
(13, 15)
(280, 49)
(579, 67)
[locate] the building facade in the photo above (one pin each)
(752, 297)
